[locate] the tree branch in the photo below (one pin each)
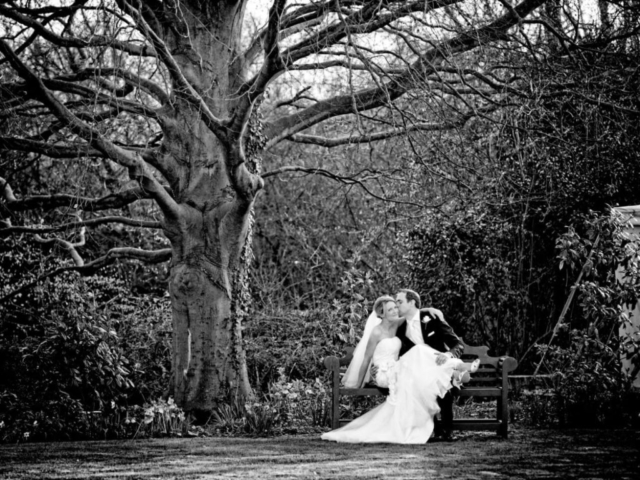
(152, 257)
(383, 135)
(138, 168)
(497, 85)
(398, 85)
(272, 65)
(347, 180)
(53, 151)
(32, 38)
(55, 11)
(360, 22)
(50, 202)
(70, 247)
(342, 64)
(144, 84)
(7, 191)
(256, 45)
(99, 97)
(82, 223)
(95, 41)
(75, 151)
(215, 124)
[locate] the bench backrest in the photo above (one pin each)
(490, 373)
(346, 360)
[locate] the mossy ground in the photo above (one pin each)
(527, 454)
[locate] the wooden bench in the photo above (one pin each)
(490, 381)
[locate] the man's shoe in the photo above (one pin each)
(448, 436)
(437, 428)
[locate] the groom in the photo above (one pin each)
(428, 327)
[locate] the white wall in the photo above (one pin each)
(631, 214)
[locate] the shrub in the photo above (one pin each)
(470, 266)
(70, 346)
(159, 418)
(590, 389)
(293, 342)
(289, 406)
(588, 350)
(297, 341)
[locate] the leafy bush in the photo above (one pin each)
(539, 408)
(285, 350)
(297, 341)
(294, 342)
(468, 266)
(289, 406)
(301, 404)
(588, 351)
(160, 418)
(70, 346)
(591, 386)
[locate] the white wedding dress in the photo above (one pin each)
(415, 382)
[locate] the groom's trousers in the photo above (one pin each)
(446, 413)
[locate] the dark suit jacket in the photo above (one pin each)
(437, 334)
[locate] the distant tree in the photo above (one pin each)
(168, 90)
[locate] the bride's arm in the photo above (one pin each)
(368, 355)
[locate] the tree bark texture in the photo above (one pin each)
(211, 227)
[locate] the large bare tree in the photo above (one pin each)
(168, 90)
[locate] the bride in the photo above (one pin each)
(414, 382)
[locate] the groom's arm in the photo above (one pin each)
(451, 340)
(434, 313)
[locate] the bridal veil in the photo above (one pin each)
(350, 379)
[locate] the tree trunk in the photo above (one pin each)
(204, 360)
(553, 16)
(207, 239)
(207, 345)
(209, 180)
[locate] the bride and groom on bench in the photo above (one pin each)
(415, 354)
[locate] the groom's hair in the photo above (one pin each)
(379, 304)
(411, 295)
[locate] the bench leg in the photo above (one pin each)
(503, 414)
(500, 417)
(335, 414)
(335, 402)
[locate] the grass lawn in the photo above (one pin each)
(527, 454)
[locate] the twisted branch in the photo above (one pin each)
(83, 223)
(147, 256)
(50, 202)
(69, 246)
(138, 169)
(397, 85)
(71, 42)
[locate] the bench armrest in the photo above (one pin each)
(332, 363)
(508, 364)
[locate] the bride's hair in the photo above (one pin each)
(379, 304)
